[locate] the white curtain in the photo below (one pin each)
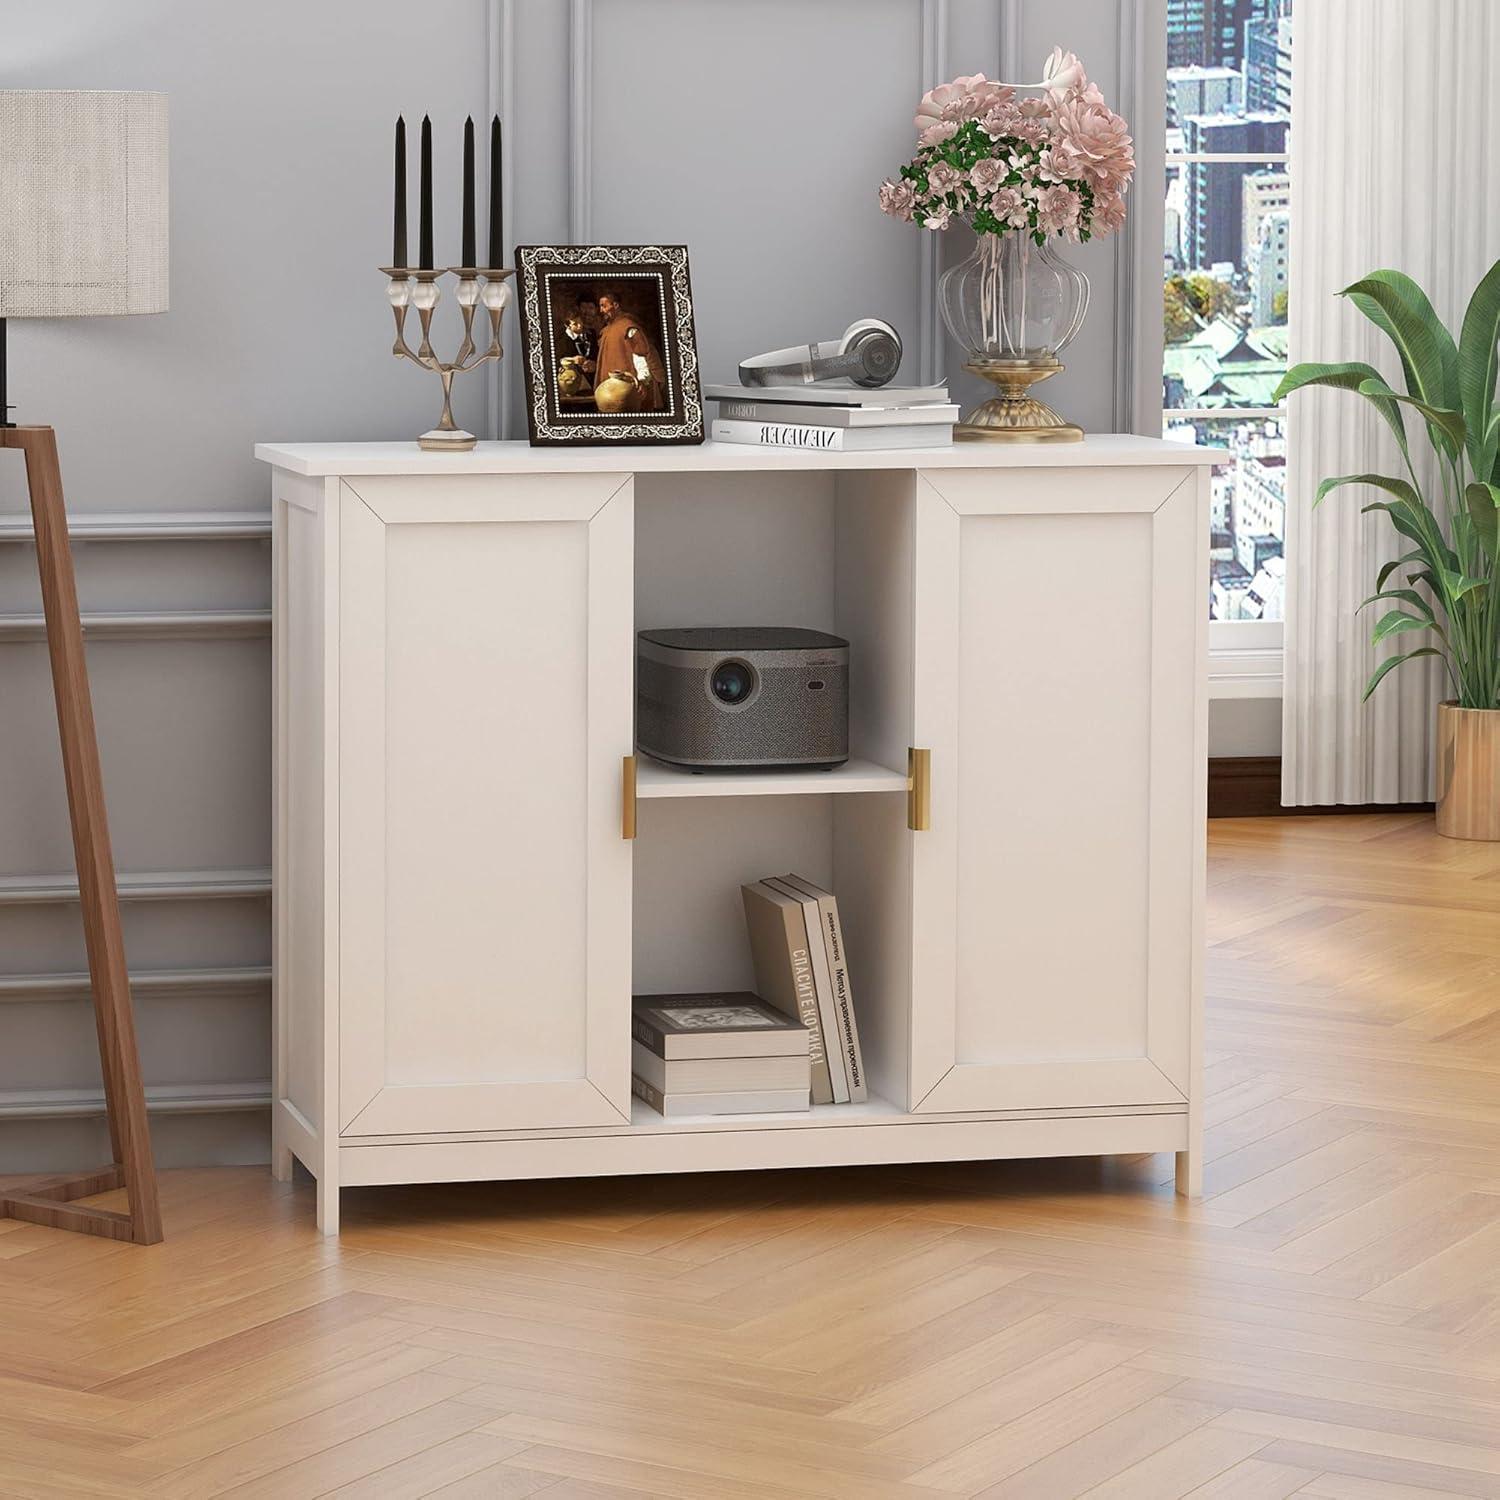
(1395, 163)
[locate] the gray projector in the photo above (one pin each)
(734, 698)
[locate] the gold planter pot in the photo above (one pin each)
(1468, 772)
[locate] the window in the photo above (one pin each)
(1226, 284)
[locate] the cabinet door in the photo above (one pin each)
(484, 888)
(1059, 620)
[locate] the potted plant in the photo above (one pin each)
(1446, 587)
(1023, 165)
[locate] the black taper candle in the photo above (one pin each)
(469, 252)
(497, 201)
(398, 238)
(424, 232)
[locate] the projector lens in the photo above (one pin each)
(732, 681)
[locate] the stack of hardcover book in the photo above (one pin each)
(797, 945)
(833, 416)
(718, 1054)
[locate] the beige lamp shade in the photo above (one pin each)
(83, 203)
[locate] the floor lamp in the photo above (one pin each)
(83, 231)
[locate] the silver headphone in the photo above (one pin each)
(869, 354)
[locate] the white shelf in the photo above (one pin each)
(655, 779)
(874, 1111)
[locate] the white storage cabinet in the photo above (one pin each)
(460, 920)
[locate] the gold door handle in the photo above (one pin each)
(918, 789)
(627, 797)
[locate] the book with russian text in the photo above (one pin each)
(838, 1072)
(784, 971)
(846, 1026)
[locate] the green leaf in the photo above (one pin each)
(1478, 364)
(1484, 509)
(1397, 622)
(1447, 421)
(1460, 585)
(1398, 487)
(1399, 562)
(1342, 377)
(1394, 661)
(1397, 306)
(1407, 596)
(1403, 521)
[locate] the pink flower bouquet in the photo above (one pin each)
(1056, 161)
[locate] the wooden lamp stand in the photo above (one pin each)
(51, 1201)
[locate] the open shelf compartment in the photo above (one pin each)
(824, 551)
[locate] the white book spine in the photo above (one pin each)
(848, 1027)
(935, 414)
(778, 435)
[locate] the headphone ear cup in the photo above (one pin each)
(878, 348)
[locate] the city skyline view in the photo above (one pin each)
(1226, 283)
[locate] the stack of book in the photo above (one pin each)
(846, 418)
(797, 945)
(717, 1054)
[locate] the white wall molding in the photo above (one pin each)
(153, 526)
(933, 62)
(1011, 66)
(1138, 324)
(143, 625)
(580, 121)
(1128, 90)
(161, 1098)
(1245, 672)
(201, 984)
(144, 885)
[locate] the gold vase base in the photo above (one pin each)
(1010, 420)
(453, 440)
(1013, 416)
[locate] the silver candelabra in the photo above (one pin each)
(408, 287)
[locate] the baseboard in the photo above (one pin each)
(1249, 786)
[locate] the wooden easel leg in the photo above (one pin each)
(124, 1097)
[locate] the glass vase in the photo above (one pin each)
(1014, 306)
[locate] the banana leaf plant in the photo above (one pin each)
(1447, 586)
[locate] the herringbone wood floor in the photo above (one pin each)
(1326, 1323)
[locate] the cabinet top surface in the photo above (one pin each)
(1105, 450)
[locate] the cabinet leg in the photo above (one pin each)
(328, 1207)
(281, 1162)
(1190, 1173)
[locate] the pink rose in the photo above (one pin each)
(1057, 209)
(938, 132)
(943, 178)
(953, 103)
(1108, 215)
(1059, 163)
(1009, 207)
(1100, 140)
(1000, 120)
(938, 220)
(898, 199)
(985, 175)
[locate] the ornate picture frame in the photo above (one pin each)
(608, 345)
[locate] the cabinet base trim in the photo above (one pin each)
(711, 1150)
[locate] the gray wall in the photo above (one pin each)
(755, 131)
